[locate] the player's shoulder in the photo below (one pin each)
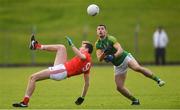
(112, 38)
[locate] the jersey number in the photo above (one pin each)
(87, 66)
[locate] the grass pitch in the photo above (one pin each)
(102, 93)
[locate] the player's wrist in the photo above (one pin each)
(72, 45)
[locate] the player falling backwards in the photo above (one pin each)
(110, 50)
(62, 68)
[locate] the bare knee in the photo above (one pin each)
(33, 78)
(61, 47)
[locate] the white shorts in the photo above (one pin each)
(58, 72)
(122, 68)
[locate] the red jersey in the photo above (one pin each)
(78, 66)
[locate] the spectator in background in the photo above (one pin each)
(160, 40)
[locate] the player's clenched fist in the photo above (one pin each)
(109, 58)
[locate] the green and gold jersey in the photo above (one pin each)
(108, 42)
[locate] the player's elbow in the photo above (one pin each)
(80, 55)
(101, 59)
(83, 57)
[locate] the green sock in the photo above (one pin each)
(132, 98)
(155, 78)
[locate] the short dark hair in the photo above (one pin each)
(102, 25)
(89, 46)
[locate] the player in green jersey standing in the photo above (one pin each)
(110, 50)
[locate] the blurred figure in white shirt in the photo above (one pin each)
(160, 40)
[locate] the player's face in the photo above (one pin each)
(83, 47)
(101, 31)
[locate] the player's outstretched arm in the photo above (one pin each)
(119, 49)
(80, 100)
(76, 51)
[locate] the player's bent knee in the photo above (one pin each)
(32, 78)
(61, 47)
